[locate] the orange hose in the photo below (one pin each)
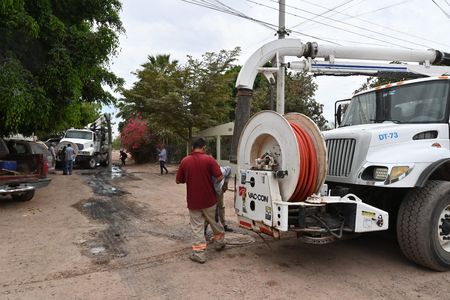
(308, 165)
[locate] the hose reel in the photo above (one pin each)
(291, 145)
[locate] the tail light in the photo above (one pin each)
(44, 162)
(44, 169)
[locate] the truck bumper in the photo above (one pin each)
(24, 187)
(80, 159)
(43, 182)
(6, 190)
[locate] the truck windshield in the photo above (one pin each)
(362, 110)
(423, 102)
(76, 134)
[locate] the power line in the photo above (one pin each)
(442, 10)
(321, 15)
(335, 12)
(382, 8)
(355, 42)
(212, 6)
(373, 23)
(342, 29)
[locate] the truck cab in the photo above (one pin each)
(90, 146)
(392, 149)
(390, 135)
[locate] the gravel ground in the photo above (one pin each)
(93, 236)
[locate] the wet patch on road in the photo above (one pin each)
(117, 214)
(116, 173)
(125, 220)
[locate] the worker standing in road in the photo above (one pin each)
(196, 171)
(69, 156)
(62, 158)
(162, 153)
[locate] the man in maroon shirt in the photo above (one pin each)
(196, 170)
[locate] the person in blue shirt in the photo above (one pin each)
(69, 156)
(162, 153)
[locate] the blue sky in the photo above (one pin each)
(178, 28)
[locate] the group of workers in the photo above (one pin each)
(66, 156)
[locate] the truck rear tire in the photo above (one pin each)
(423, 225)
(25, 196)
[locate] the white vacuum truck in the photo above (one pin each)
(388, 164)
(90, 144)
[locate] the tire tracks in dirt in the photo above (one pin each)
(138, 264)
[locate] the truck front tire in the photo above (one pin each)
(25, 196)
(423, 225)
(92, 163)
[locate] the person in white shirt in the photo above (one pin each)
(162, 159)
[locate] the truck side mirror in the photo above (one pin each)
(339, 110)
(338, 115)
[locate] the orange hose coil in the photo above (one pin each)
(308, 165)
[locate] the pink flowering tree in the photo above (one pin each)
(137, 139)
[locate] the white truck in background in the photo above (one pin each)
(90, 144)
(391, 153)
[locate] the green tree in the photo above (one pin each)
(54, 58)
(178, 99)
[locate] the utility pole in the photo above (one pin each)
(244, 95)
(281, 67)
(108, 123)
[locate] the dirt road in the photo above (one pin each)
(92, 236)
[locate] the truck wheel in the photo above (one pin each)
(92, 162)
(423, 225)
(25, 196)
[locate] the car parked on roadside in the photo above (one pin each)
(30, 147)
(23, 169)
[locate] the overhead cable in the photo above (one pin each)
(383, 8)
(274, 27)
(212, 6)
(442, 10)
(322, 14)
(346, 30)
(373, 23)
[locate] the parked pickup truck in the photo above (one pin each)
(21, 172)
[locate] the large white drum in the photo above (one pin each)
(270, 132)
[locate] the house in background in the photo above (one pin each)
(218, 139)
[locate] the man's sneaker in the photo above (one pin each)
(227, 229)
(200, 258)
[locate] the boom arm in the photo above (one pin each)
(423, 59)
(310, 51)
(371, 69)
